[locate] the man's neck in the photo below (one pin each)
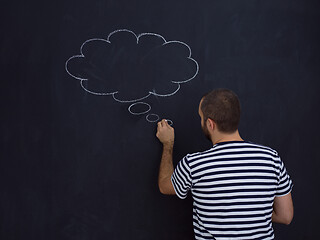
(226, 137)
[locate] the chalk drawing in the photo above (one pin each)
(87, 67)
(152, 117)
(169, 122)
(137, 104)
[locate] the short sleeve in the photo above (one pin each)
(181, 178)
(285, 184)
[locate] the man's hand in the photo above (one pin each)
(165, 133)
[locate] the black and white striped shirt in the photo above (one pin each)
(233, 186)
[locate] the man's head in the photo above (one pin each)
(220, 109)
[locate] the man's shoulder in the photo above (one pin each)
(232, 147)
(264, 148)
(199, 154)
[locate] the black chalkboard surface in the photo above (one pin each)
(84, 82)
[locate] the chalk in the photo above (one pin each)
(152, 117)
(169, 122)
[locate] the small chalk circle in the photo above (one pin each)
(152, 117)
(138, 111)
(169, 122)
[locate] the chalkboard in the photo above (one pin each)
(84, 83)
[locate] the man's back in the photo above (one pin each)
(233, 186)
(239, 188)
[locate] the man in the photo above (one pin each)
(238, 188)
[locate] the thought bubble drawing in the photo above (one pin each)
(131, 68)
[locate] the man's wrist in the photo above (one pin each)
(168, 146)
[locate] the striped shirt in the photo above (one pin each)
(233, 186)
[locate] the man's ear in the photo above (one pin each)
(211, 124)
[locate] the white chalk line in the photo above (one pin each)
(150, 93)
(81, 56)
(179, 42)
(91, 40)
(66, 67)
(169, 122)
(152, 115)
(121, 30)
(157, 118)
(189, 57)
(140, 103)
(166, 95)
(95, 93)
(137, 37)
(196, 73)
(150, 34)
(130, 101)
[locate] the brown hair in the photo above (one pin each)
(223, 107)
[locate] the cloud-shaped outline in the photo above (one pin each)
(137, 37)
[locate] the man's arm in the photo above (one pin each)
(165, 133)
(283, 209)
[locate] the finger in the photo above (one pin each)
(166, 123)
